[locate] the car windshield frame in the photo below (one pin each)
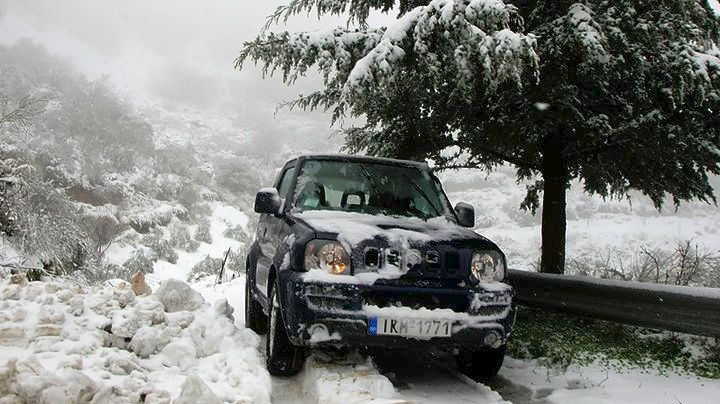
(444, 209)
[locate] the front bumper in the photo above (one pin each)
(337, 314)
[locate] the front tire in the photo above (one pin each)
(283, 358)
(481, 366)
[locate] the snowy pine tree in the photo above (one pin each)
(619, 96)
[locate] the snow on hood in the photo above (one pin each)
(353, 228)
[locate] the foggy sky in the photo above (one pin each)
(173, 49)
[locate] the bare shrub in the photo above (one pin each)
(103, 231)
(687, 264)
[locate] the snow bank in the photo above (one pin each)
(354, 382)
(63, 343)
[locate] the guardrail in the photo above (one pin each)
(674, 308)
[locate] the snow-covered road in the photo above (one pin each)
(408, 381)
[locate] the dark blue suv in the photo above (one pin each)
(367, 252)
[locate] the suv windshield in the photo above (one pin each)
(373, 188)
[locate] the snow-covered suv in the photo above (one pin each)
(359, 251)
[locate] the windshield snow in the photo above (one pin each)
(369, 188)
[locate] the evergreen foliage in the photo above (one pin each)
(160, 247)
(180, 238)
(202, 233)
(139, 262)
(619, 97)
(208, 266)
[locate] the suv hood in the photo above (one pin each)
(354, 228)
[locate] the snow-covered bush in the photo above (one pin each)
(235, 175)
(139, 262)
(180, 238)
(237, 233)
(169, 185)
(95, 271)
(189, 197)
(102, 230)
(202, 233)
(40, 219)
(208, 266)
(235, 264)
(143, 214)
(161, 248)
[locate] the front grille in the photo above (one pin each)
(331, 303)
(457, 303)
(433, 261)
(452, 261)
(491, 311)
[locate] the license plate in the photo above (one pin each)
(408, 327)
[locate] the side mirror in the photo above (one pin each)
(267, 201)
(466, 214)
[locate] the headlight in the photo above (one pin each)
(488, 266)
(330, 256)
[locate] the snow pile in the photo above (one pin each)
(63, 343)
(357, 382)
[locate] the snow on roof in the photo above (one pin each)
(360, 158)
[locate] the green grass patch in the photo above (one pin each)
(561, 340)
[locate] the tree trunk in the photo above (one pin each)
(553, 210)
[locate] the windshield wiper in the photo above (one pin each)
(422, 193)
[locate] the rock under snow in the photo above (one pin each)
(177, 295)
(181, 353)
(139, 286)
(77, 387)
(196, 391)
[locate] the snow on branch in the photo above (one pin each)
(331, 50)
(477, 37)
(476, 45)
(357, 10)
(579, 27)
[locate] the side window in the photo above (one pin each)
(284, 184)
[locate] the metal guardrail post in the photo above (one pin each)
(674, 308)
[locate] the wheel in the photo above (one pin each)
(481, 366)
(283, 358)
(255, 319)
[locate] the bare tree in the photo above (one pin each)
(103, 231)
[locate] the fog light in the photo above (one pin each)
(318, 329)
(492, 339)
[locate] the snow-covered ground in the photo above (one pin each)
(599, 385)
(60, 342)
(596, 228)
(64, 343)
